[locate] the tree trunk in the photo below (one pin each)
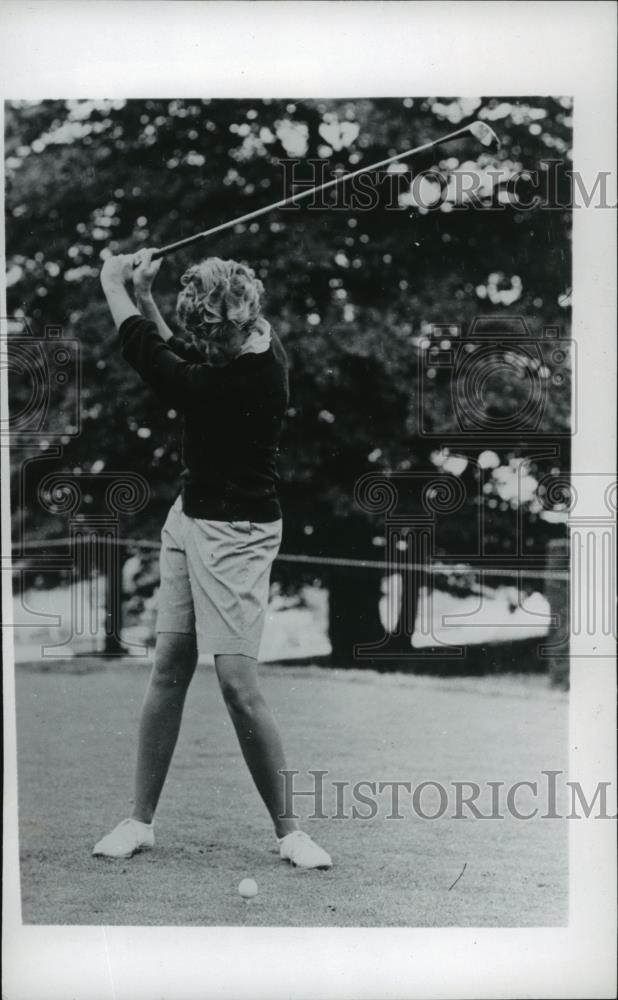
(354, 620)
(353, 613)
(113, 602)
(557, 591)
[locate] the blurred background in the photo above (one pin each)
(370, 306)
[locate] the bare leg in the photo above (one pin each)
(257, 733)
(174, 666)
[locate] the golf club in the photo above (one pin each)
(480, 130)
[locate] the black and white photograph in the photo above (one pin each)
(309, 502)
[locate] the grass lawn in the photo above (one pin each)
(77, 725)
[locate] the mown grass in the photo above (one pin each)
(76, 734)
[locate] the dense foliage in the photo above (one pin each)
(354, 295)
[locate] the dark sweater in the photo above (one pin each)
(232, 420)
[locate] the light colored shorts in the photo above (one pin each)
(215, 580)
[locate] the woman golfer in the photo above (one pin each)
(224, 530)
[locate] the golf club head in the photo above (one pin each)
(484, 133)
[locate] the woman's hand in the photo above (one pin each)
(145, 272)
(117, 270)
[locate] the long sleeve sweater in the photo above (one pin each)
(232, 420)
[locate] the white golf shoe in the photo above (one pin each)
(302, 851)
(125, 840)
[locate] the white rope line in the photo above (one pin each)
(434, 569)
(437, 569)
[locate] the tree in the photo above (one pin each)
(354, 294)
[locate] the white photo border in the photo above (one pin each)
(69, 49)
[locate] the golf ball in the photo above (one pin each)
(248, 888)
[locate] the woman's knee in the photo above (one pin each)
(240, 691)
(175, 659)
(240, 698)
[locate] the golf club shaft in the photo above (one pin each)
(294, 198)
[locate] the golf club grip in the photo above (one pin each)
(172, 247)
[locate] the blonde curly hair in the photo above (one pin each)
(218, 305)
